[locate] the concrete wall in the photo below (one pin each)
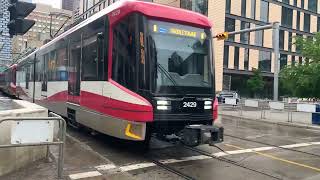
(12, 159)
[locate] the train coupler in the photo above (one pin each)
(194, 135)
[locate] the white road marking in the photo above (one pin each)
(105, 167)
(137, 166)
(84, 175)
(219, 154)
(296, 145)
(257, 136)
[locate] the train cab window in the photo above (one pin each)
(124, 53)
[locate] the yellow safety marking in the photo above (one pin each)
(130, 134)
(279, 159)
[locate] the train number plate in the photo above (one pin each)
(189, 104)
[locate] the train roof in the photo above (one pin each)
(149, 9)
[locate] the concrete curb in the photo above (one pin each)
(276, 123)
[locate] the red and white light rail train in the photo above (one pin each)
(132, 69)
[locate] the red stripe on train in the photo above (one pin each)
(108, 106)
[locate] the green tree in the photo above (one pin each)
(255, 83)
(303, 80)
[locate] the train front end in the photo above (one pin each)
(173, 60)
(182, 82)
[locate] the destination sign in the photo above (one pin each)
(178, 31)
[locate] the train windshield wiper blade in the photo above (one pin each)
(166, 73)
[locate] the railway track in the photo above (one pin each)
(235, 163)
(172, 170)
(272, 145)
(222, 159)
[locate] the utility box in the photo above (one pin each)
(316, 116)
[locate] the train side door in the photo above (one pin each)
(75, 52)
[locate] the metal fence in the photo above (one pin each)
(34, 141)
(271, 110)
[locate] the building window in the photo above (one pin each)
(236, 58)
(283, 60)
(258, 40)
(200, 6)
(245, 37)
(289, 41)
(286, 17)
(226, 56)
(286, 1)
(298, 48)
(253, 9)
(318, 24)
(243, 8)
(230, 27)
(281, 39)
(306, 26)
(264, 11)
(293, 60)
(246, 59)
(228, 6)
(313, 5)
(302, 4)
(295, 2)
(265, 61)
(300, 60)
(298, 20)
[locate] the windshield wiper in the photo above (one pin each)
(166, 73)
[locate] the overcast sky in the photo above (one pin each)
(53, 3)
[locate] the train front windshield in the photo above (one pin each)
(181, 57)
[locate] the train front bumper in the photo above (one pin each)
(194, 135)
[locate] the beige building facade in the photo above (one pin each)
(236, 57)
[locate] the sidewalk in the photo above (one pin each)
(298, 119)
(80, 161)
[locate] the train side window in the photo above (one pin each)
(124, 53)
(93, 60)
(90, 59)
(52, 66)
(44, 67)
(62, 64)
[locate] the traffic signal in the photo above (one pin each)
(222, 36)
(18, 25)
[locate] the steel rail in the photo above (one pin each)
(231, 162)
(170, 169)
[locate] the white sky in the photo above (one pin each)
(53, 3)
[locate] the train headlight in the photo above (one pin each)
(162, 102)
(163, 105)
(207, 104)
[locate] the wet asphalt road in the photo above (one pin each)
(280, 163)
